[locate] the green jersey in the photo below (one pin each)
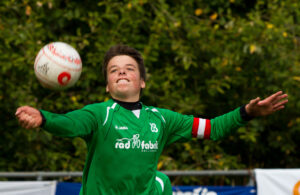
(124, 148)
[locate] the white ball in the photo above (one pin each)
(57, 66)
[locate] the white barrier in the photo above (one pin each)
(27, 187)
(278, 181)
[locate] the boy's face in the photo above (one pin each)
(124, 82)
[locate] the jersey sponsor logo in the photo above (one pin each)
(136, 143)
(121, 127)
(153, 127)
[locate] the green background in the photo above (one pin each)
(202, 57)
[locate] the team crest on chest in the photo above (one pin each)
(154, 129)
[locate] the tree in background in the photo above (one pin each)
(205, 57)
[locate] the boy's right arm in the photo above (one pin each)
(76, 123)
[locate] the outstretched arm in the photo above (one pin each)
(72, 124)
(29, 117)
(269, 105)
(229, 122)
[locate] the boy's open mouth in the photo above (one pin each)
(122, 80)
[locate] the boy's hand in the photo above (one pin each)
(29, 117)
(273, 103)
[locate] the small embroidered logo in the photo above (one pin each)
(153, 127)
(121, 128)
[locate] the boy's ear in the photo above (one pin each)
(143, 84)
(107, 90)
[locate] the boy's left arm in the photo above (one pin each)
(224, 125)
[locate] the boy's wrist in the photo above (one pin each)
(245, 116)
(43, 119)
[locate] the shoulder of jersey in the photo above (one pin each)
(156, 111)
(100, 105)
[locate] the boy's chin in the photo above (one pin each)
(126, 96)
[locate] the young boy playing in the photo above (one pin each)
(125, 137)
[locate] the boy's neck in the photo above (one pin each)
(129, 105)
(128, 98)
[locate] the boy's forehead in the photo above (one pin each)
(122, 61)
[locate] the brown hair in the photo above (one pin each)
(118, 50)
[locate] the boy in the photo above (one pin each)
(125, 138)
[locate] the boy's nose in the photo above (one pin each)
(122, 72)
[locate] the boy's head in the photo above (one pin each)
(124, 72)
(119, 50)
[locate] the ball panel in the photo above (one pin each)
(65, 52)
(47, 84)
(57, 66)
(61, 62)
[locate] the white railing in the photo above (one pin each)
(40, 175)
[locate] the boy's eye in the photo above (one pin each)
(113, 70)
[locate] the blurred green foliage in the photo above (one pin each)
(203, 58)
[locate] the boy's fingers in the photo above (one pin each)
(34, 123)
(278, 108)
(24, 123)
(279, 98)
(28, 121)
(255, 101)
(19, 111)
(274, 96)
(22, 109)
(24, 118)
(280, 104)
